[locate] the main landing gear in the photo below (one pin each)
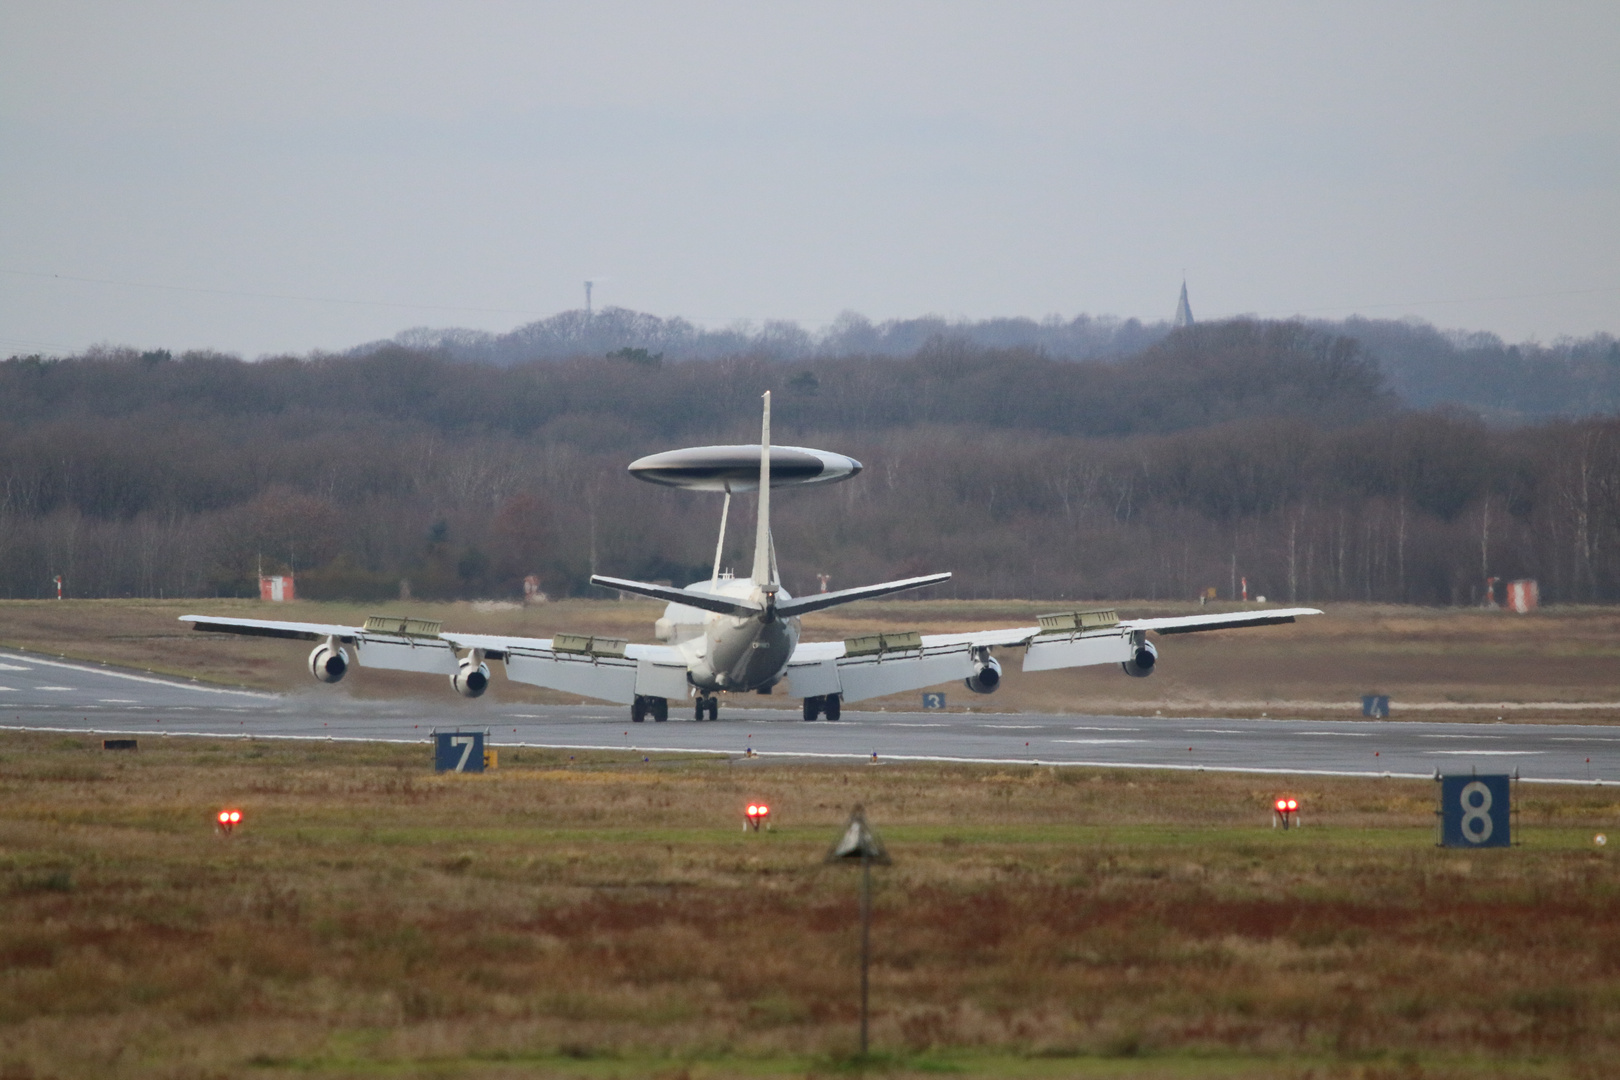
(706, 704)
(830, 705)
(643, 707)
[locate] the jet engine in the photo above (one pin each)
(986, 676)
(471, 678)
(1140, 665)
(328, 662)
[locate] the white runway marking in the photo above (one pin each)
(1098, 742)
(112, 674)
(1014, 727)
(1337, 734)
(1216, 731)
(1082, 728)
(14, 667)
(1487, 753)
(1462, 736)
(67, 688)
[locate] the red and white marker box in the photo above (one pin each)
(276, 588)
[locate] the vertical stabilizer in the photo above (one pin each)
(764, 571)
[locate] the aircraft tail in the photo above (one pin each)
(764, 566)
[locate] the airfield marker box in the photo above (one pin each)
(1475, 811)
(1375, 706)
(458, 751)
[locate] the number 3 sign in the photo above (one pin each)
(1475, 811)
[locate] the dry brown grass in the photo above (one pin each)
(610, 918)
(1416, 655)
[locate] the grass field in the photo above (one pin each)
(1443, 660)
(607, 917)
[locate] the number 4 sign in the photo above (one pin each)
(1475, 811)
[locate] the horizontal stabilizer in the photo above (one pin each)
(724, 605)
(817, 601)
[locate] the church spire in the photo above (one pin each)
(1183, 310)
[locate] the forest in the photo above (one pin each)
(1277, 452)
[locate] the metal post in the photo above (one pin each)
(866, 938)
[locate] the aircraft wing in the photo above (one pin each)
(267, 628)
(915, 662)
(1188, 624)
(610, 670)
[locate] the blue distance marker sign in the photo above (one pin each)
(933, 701)
(458, 751)
(1475, 811)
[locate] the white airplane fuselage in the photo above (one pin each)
(735, 653)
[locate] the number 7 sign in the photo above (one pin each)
(458, 751)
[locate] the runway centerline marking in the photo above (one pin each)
(1462, 736)
(1335, 734)
(1015, 727)
(1216, 731)
(14, 667)
(67, 688)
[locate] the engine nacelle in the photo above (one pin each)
(986, 676)
(470, 679)
(328, 663)
(1140, 665)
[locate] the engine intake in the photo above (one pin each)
(986, 676)
(471, 679)
(1140, 665)
(328, 663)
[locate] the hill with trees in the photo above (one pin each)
(1274, 451)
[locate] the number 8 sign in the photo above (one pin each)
(1475, 811)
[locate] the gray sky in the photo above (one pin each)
(471, 164)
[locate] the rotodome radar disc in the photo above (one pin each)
(715, 468)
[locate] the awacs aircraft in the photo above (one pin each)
(741, 635)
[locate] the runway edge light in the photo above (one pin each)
(1285, 812)
(227, 820)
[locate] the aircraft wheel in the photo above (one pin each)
(834, 706)
(638, 710)
(813, 707)
(697, 709)
(714, 708)
(660, 709)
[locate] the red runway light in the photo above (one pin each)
(224, 817)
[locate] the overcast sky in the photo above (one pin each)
(286, 177)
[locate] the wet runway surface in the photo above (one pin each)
(44, 693)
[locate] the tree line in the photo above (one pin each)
(1269, 451)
